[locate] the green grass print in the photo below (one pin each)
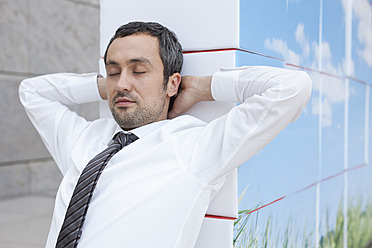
(359, 228)
(250, 233)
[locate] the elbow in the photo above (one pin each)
(302, 85)
(306, 85)
(23, 89)
(22, 86)
(301, 92)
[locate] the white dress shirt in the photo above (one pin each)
(155, 192)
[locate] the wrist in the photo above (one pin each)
(204, 88)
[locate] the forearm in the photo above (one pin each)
(101, 84)
(46, 100)
(289, 90)
(65, 88)
(271, 98)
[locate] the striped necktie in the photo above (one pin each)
(75, 215)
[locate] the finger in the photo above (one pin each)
(179, 108)
(175, 111)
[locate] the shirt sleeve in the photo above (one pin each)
(47, 99)
(270, 98)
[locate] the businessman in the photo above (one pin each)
(145, 177)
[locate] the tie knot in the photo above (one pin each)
(124, 139)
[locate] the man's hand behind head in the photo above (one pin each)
(192, 90)
(101, 82)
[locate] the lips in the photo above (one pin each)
(123, 102)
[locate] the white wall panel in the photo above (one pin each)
(210, 234)
(198, 24)
(204, 64)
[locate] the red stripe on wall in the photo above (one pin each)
(294, 193)
(219, 217)
(279, 59)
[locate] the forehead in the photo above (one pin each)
(124, 49)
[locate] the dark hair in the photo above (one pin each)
(170, 50)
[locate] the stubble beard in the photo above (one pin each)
(129, 118)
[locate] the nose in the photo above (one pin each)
(124, 83)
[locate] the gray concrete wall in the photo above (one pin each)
(39, 37)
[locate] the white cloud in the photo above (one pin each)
(363, 14)
(300, 34)
(352, 66)
(289, 55)
(301, 39)
(326, 110)
(333, 88)
(281, 47)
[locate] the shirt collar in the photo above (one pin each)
(142, 131)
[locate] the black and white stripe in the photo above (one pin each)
(75, 215)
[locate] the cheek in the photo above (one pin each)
(110, 89)
(110, 96)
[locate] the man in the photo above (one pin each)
(155, 191)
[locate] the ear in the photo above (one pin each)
(173, 84)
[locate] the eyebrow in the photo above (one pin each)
(111, 62)
(140, 60)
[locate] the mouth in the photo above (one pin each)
(123, 102)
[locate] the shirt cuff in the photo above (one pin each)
(224, 84)
(85, 88)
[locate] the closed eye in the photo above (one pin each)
(113, 74)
